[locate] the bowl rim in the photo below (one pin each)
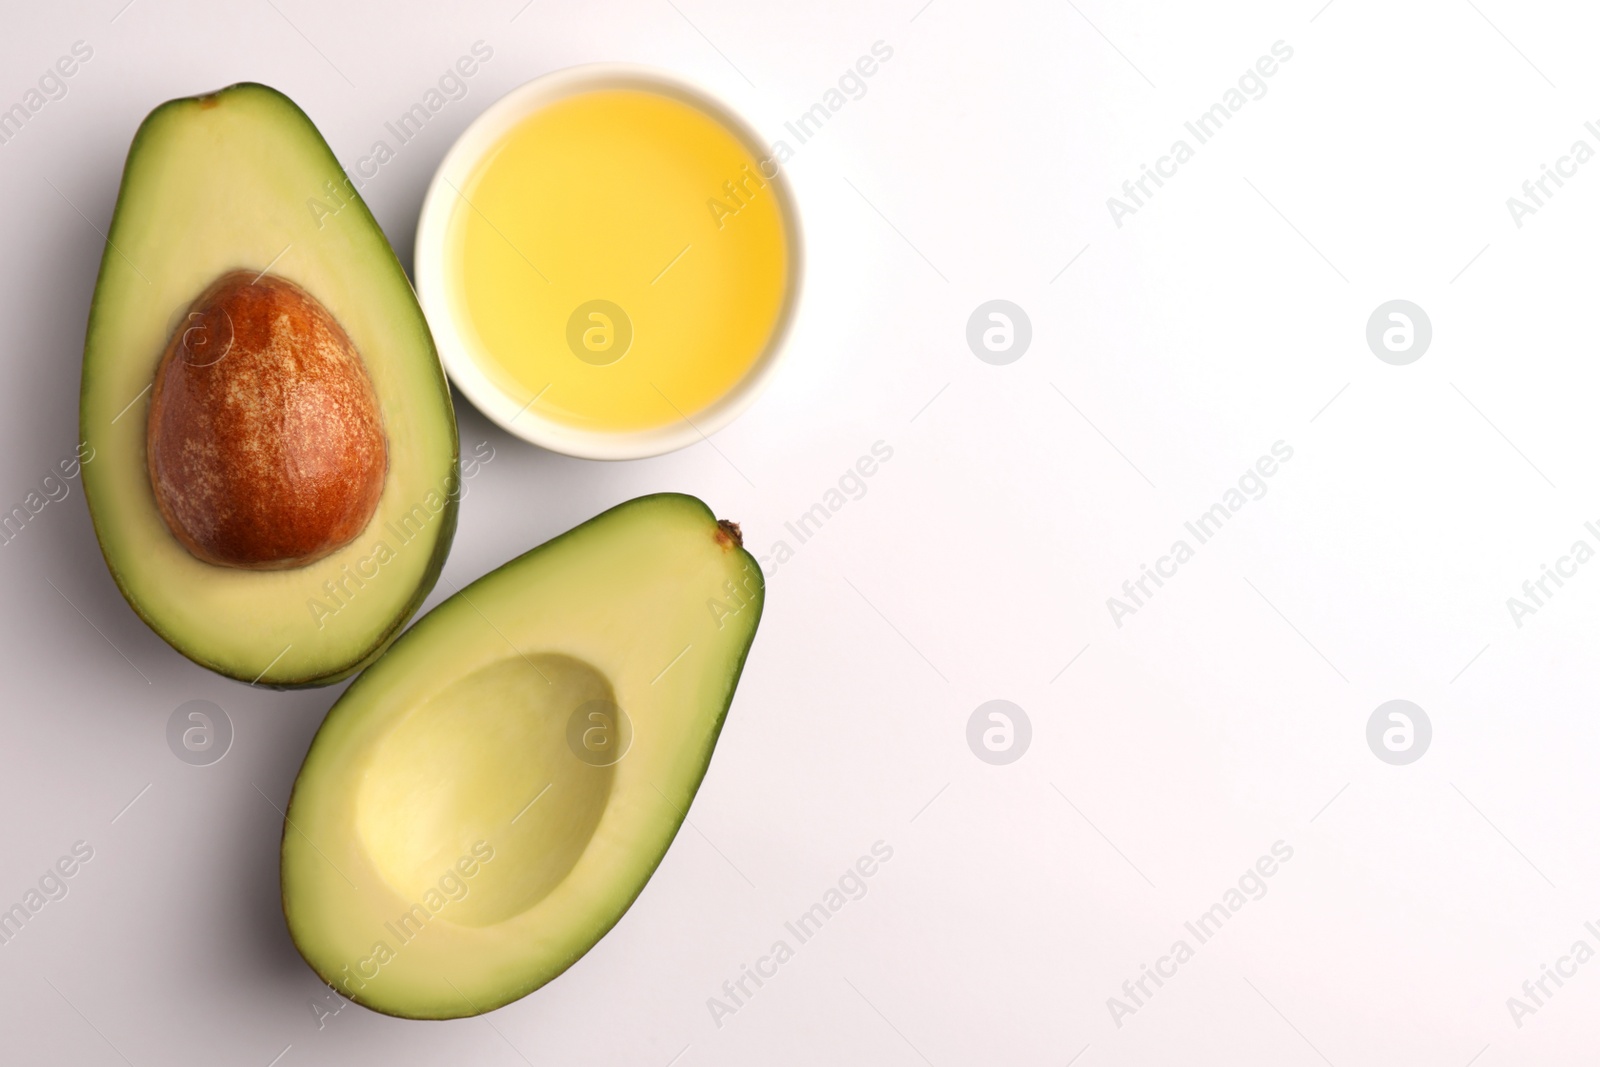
(516, 415)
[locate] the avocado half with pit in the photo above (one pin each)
(274, 477)
(484, 803)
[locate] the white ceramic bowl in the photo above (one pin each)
(457, 349)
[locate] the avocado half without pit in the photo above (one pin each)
(274, 481)
(484, 803)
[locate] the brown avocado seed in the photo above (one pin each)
(265, 443)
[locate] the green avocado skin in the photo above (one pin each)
(424, 367)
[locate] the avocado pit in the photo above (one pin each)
(265, 443)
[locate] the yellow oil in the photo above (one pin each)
(621, 260)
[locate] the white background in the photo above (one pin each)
(1221, 718)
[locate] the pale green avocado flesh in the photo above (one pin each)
(241, 180)
(486, 801)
